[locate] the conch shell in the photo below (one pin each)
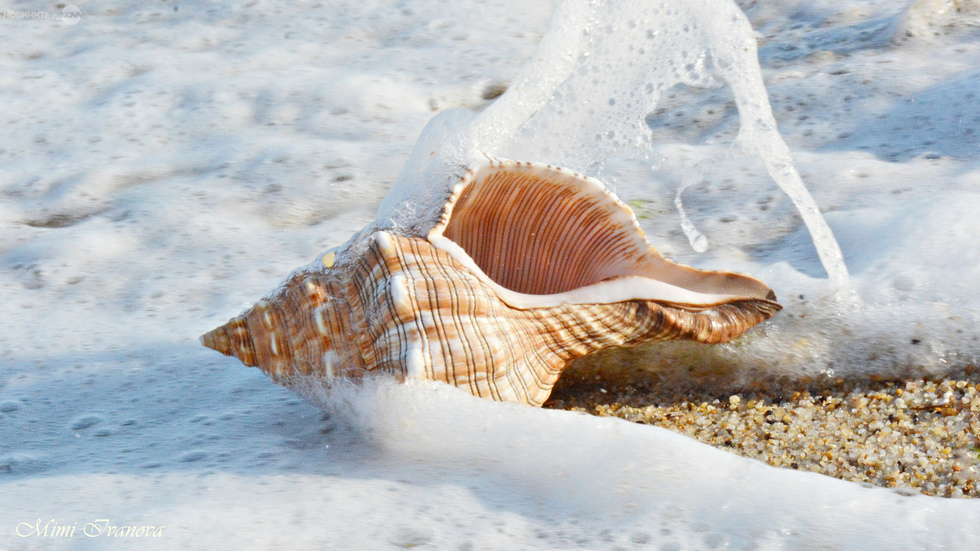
(528, 268)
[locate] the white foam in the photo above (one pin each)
(597, 478)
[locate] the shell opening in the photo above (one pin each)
(537, 230)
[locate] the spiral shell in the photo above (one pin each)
(528, 268)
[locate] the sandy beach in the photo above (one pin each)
(915, 435)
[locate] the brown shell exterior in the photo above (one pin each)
(411, 309)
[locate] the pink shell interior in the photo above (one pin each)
(536, 231)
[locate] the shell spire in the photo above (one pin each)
(292, 332)
(528, 268)
(233, 339)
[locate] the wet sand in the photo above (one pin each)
(912, 434)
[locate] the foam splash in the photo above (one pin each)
(583, 97)
(697, 239)
(586, 475)
(583, 101)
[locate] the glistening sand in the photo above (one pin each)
(921, 435)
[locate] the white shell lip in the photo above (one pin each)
(641, 285)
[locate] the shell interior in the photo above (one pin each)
(542, 236)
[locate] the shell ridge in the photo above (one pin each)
(460, 296)
(502, 327)
(371, 279)
(358, 291)
(410, 350)
(440, 347)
